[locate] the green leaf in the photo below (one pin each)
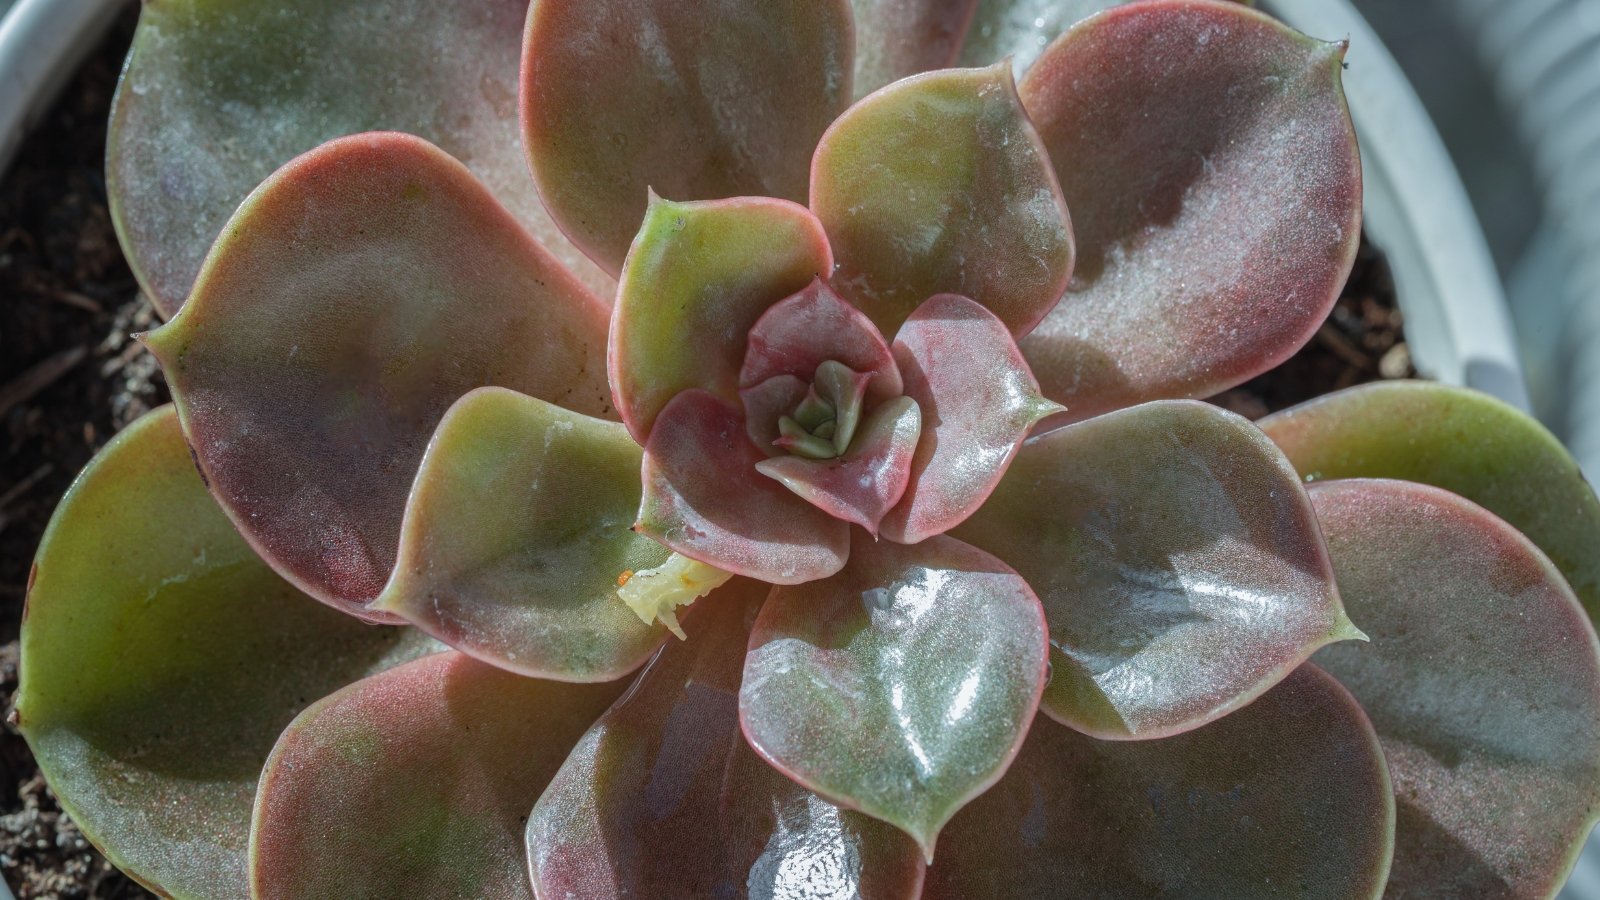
(160, 660)
(1465, 442)
(1483, 681)
(1178, 561)
(903, 685)
(516, 539)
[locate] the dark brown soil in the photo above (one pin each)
(70, 378)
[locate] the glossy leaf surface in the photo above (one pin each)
(696, 101)
(1465, 442)
(899, 38)
(160, 660)
(663, 797)
(356, 295)
(217, 95)
(1022, 29)
(516, 535)
(704, 498)
(860, 486)
(901, 686)
(1178, 561)
(802, 332)
(939, 184)
(1209, 162)
(415, 783)
(1287, 797)
(699, 277)
(1483, 679)
(978, 401)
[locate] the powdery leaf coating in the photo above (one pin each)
(1483, 680)
(1287, 797)
(1021, 29)
(515, 535)
(978, 401)
(902, 686)
(860, 486)
(810, 328)
(1465, 442)
(697, 101)
(160, 660)
(415, 783)
(699, 278)
(1211, 168)
(899, 38)
(663, 798)
(704, 498)
(939, 183)
(1178, 561)
(360, 291)
(217, 95)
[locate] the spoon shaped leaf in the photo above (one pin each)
(1178, 561)
(1483, 680)
(415, 783)
(516, 539)
(902, 686)
(939, 184)
(217, 95)
(1211, 168)
(1465, 442)
(160, 660)
(663, 797)
(804, 331)
(357, 294)
(1287, 797)
(719, 98)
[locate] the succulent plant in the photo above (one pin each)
(901, 450)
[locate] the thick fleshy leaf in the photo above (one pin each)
(939, 183)
(863, 484)
(1483, 680)
(766, 404)
(1465, 442)
(1209, 162)
(516, 534)
(697, 101)
(901, 686)
(1287, 797)
(899, 38)
(217, 95)
(1021, 29)
(704, 498)
(160, 660)
(978, 401)
(415, 783)
(802, 332)
(1178, 561)
(699, 277)
(663, 798)
(356, 295)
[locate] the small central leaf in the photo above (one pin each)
(824, 423)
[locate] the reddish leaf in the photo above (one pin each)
(899, 38)
(810, 328)
(867, 480)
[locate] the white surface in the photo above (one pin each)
(41, 44)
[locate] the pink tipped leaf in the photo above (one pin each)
(663, 798)
(1465, 442)
(415, 783)
(704, 498)
(695, 100)
(939, 184)
(804, 331)
(516, 539)
(356, 295)
(899, 38)
(1178, 561)
(699, 278)
(1288, 797)
(1483, 680)
(862, 485)
(160, 660)
(978, 402)
(902, 686)
(1210, 165)
(217, 95)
